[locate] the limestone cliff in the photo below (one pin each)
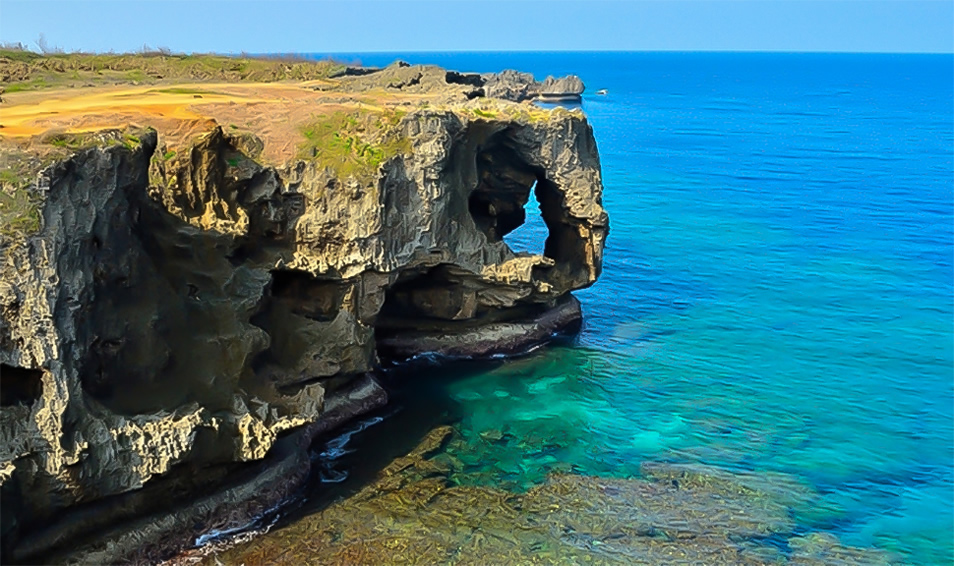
(176, 312)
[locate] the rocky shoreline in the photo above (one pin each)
(123, 529)
(189, 300)
(236, 501)
(417, 511)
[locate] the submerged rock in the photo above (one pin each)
(175, 316)
(414, 513)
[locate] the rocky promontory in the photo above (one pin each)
(517, 86)
(202, 273)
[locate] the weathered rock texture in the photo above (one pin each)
(511, 85)
(517, 86)
(174, 316)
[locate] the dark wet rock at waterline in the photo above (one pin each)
(171, 513)
(494, 337)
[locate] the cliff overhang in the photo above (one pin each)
(197, 298)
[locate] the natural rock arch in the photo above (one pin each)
(506, 176)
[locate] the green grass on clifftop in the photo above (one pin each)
(19, 212)
(355, 143)
(24, 70)
(20, 202)
(129, 138)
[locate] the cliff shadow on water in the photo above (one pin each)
(349, 459)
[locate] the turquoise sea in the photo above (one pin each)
(777, 294)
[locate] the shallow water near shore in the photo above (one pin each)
(776, 297)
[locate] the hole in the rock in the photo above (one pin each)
(503, 188)
(514, 202)
(530, 236)
(563, 241)
(19, 386)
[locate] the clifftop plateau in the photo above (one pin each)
(201, 270)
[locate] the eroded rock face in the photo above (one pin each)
(181, 314)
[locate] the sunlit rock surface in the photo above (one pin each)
(184, 301)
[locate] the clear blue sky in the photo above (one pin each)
(465, 25)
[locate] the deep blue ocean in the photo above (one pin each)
(777, 289)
